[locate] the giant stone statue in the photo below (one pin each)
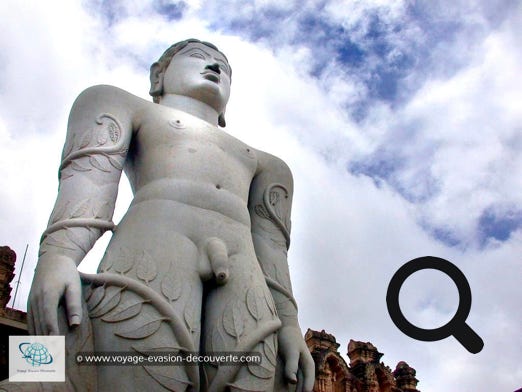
(199, 261)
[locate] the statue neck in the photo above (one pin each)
(191, 106)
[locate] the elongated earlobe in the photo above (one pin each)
(156, 81)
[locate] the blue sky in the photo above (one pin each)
(400, 121)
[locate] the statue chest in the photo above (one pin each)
(183, 146)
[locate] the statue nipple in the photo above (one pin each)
(176, 124)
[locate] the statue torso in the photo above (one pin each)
(176, 156)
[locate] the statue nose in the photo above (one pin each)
(214, 67)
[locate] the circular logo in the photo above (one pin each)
(35, 354)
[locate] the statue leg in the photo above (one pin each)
(240, 317)
(146, 299)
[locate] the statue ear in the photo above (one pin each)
(156, 80)
(221, 120)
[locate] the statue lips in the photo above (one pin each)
(211, 75)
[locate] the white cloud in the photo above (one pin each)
(466, 136)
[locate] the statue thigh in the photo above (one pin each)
(147, 298)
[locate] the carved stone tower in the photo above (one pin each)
(365, 365)
(7, 263)
(405, 377)
(365, 373)
(331, 371)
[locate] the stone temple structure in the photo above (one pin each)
(364, 373)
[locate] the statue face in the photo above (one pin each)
(200, 72)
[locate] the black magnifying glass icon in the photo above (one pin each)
(456, 326)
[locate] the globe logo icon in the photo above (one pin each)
(35, 354)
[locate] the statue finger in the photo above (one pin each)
(291, 366)
(49, 321)
(300, 387)
(73, 303)
(308, 370)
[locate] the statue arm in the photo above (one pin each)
(270, 204)
(98, 137)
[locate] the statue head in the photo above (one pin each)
(158, 69)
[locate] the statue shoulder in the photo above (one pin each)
(102, 103)
(274, 169)
(106, 97)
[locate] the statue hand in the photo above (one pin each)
(55, 279)
(296, 355)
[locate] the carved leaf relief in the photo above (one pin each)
(77, 167)
(163, 349)
(261, 211)
(124, 262)
(189, 315)
(146, 269)
(142, 331)
(254, 302)
(164, 375)
(114, 163)
(63, 177)
(102, 137)
(114, 132)
(112, 297)
(274, 198)
(261, 370)
(271, 305)
(233, 321)
(251, 384)
(106, 265)
(264, 369)
(124, 313)
(171, 286)
(85, 139)
(218, 342)
(103, 210)
(80, 209)
(95, 297)
(95, 162)
(108, 128)
(269, 348)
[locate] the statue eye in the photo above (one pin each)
(198, 55)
